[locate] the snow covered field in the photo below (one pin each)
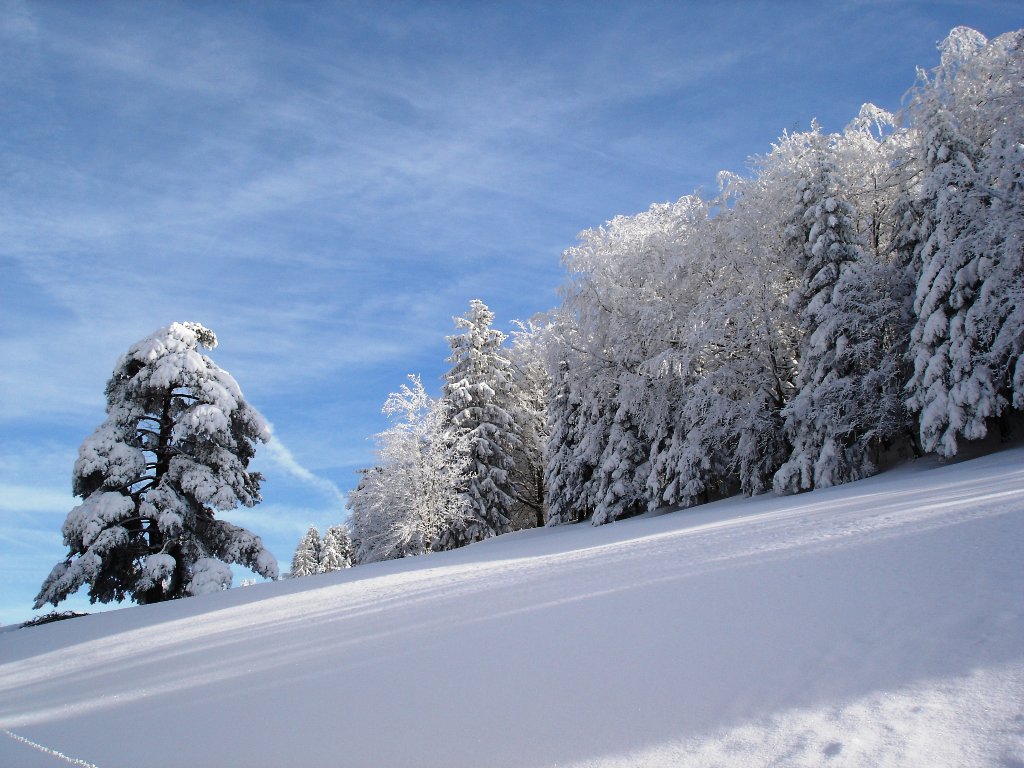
(876, 624)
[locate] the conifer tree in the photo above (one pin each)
(621, 473)
(826, 449)
(967, 341)
(946, 282)
(175, 448)
(565, 471)
(477, 391)
(306, 560)
(336, 549)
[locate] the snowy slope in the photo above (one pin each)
(876, 624)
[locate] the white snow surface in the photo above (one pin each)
(879, 623)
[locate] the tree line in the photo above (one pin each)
(857, 297)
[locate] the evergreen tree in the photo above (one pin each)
(174, 448)
(967, 341)
(820, 422)
(621, 490)
(996, 318)
(306, 560)
(946, 283)
(477, 391)
(564, 473)
(988, 357)
(336, 549)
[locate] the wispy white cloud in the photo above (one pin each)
(326, 193)
(282, 457)
(282, 525)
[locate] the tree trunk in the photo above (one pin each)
(538, 477)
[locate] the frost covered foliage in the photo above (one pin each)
(848, 388)
(336, 549)
(967, 343)
(478, 397)
(610, 323)
(408, 502)
(306, 560)
(708, 347)
(566, 470)
(531, 390)
(671, 365)
(781, 334)
(174, 450)
(315, 555)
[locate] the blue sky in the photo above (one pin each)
(326, 184)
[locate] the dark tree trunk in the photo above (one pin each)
(538, 477)
(152, 538)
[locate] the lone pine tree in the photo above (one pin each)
(175, 447)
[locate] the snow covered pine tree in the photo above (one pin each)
(822, 421)
(175, 447)
(478, 389)
(306, 560)
(967, 343)
(336, 549)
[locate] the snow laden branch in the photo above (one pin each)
(788, 333)
(405, 504)
(173, 451)
(856, 299)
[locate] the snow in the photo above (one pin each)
(879, 623)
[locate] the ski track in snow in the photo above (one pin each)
(879, 623)
(47, 751)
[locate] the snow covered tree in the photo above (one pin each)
(429, 461)
(566, 468)
(996, 318)
(820, 423)
(407, 504)
(874, 156)
(531, 390)
(336, 549)
(371, 520)
(966, 344)
(175, 447)
(621, 470)
(616, 316)
(678, 358)
(738, 348)
(477, 392)
(577, 430)
(945, 285)
(306, 560)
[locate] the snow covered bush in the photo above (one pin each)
(175, 448)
